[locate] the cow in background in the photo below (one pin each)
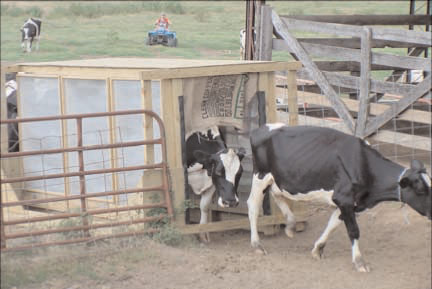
(10, 88)
(30, 31)
(212, 167)
(243, 43)
(306, 163)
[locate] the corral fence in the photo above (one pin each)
(355, 77)
(83, 216)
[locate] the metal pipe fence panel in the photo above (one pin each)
(36, 218)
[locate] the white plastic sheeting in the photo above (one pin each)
(40, 97)
(43, 101)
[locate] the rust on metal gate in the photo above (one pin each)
(86, 227)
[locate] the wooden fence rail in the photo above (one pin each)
(352, 53)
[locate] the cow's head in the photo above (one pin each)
(225, 169)
(416, 189)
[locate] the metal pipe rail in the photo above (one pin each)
(85, 227)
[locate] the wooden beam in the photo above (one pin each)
(349, 54)
(414, 37)
(242, 223)
(396, 108)
(366, 19)
(265, 35)
(316, 74)
(292, 98)
(218, 70)
(146, 102)
(354, 42)
(338, 79)
(413, 115)
(366, 59)
(397, 73)
(402, 139)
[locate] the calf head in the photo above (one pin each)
(225, 169)
(416, 189)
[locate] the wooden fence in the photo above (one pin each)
(350, 48)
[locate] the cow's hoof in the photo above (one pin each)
(205, 238)
(259, 249)
(318, 252)
(289, 232)
(361, 266)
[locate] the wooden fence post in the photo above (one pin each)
(365, 67)
(337, 104)
(292, 97)
(265, 45)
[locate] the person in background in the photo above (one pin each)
(162, 21)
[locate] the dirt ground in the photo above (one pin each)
(396, 244)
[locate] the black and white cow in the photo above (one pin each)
(243, 43)
(11, 87)
(306, 163)
(212, 167)
(30, 31)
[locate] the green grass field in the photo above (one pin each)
(205, 29)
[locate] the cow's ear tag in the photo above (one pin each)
(404, 182)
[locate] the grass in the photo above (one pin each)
(94, 262)
(75, 30)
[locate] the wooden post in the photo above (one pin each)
(265, 45)
(64, 131)
(112, 136)
(292, 98)
(365, 63)
(170, 90)
(4, 148)
(146, 100)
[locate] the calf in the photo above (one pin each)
(213, 167)
(30, 31)
(305, 163)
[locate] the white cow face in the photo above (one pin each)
(225, 170)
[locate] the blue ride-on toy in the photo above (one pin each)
(161, 35)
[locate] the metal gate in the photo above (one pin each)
(85, 224)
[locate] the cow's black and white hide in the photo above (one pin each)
(30, 31)
(212, 167)
(243, 43)
(313, 163)
(10, 87)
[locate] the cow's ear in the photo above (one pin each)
(202, 157)
(417, 165)
(404, 182)
(241, 152)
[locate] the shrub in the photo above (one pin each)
(168, 235)
(34, 11)
(13, 11)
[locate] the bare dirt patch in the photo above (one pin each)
(398, 253)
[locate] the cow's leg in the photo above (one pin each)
(29, 45)
(348, 216)
(334, 221)
(286, 211)
(205, 201)
(37, 42)
(254, 203)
